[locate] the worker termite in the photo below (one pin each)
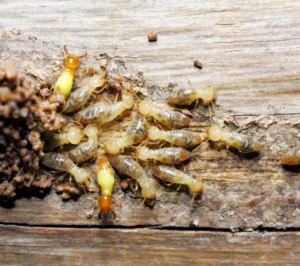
(181, 138)
(64, 83)
(168, 118)
(61, 162)
(175, 176)
(101, 113)
(128, 166)
(243, 143)
(171, 156)
(85, 150)
(292, 157)
(106, 180)
(79, 98)
(134, 134)
(73, 136)
(185, 96)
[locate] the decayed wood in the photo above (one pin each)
(48, 246)
(239, 192)
(249, 52)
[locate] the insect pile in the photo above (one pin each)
(79, 134)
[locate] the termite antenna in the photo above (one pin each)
(83, 55)
(66, 50)
(198, 147)
(192, 201)
(143, 202)
(116, 98)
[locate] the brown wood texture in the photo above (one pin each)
(69, 246)
(249, 51)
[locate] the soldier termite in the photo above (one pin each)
(292, 157)
(101, 113)
(170, 119)
(79, 98)
(134, 134)
(85, 150)
(106, 180)
(61, 162)
(243, 143)
(128, 166)
(171, 156)
(181, 138)
(186, 96)
(73, 136)
(64, 83)
(175, 176)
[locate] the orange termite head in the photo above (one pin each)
(105, 205)
(72, 61)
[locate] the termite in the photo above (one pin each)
(292, 157)
(73, 136)
(85, 150)
(64, 83)
(180, 138)
(101, 113)
(175, 176)
(128, 166)
(79, 98)
(186, 96)
(106, 180)
(134, 134)
(168, 118)
(243, 143)
(61, 162)
(171, 156)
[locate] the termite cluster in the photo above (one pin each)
(151, 150)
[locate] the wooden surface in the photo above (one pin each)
(69, 246)
(249, 52)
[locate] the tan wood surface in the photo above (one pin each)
(69, 246)
(249, 51)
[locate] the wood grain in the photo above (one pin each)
(69, 246)
(249, 52)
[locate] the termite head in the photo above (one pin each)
(105, 205)
(196, 186)
(96, 81)
(142, 153)
(127, 99)
(72, 61)
(112, 147)
(149, 190)
(144, 107)
(81, 176)
(209, 94)
(215, 133)
(154, 133)
(91, 130)
(74, 134)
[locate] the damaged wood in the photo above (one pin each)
(252, 64)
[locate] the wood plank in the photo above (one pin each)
(249, 50)
(71, 246)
